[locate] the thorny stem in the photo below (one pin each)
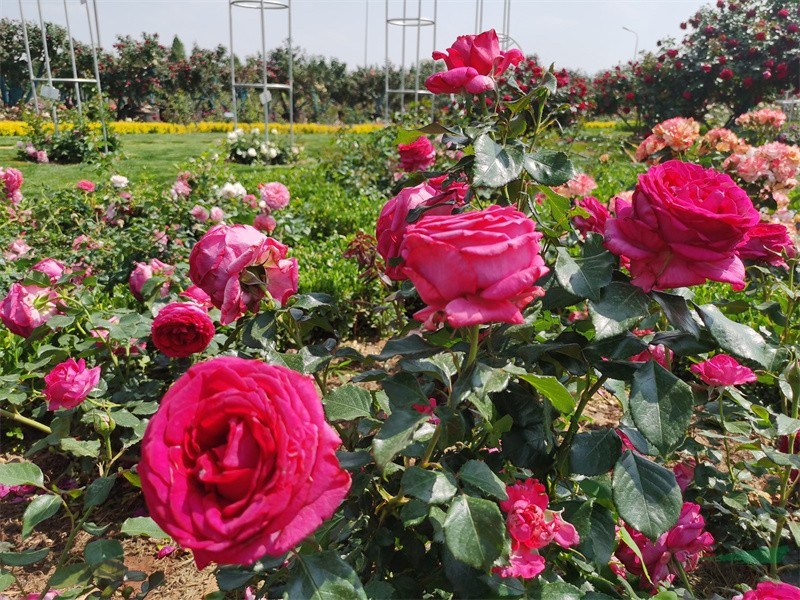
(725, 438)
(684, 577)
(15, 416)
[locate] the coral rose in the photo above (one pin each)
(237, 266)
(419, 155)
(26, 307)
(239, 462)
(69, 383)
(392, 222)
(473, 268)
(472, 63)
(723, 370)
(682, 227)
(181, 329)
(769, 590)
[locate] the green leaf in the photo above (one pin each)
(557, 590)
(88, 449)
(584, 277)
(98, 491)
(595, 452)
(100, 551)
(474, 531)
(552, 389)
(646, 495)
(135, 526)
(323, 576)
(71, 576)
(476, 474)
(661, 406)
(6, 580)
(23, 559)
(598, 543)
(739, 340)
(787, 425)
(40, 509)
(412, 346)
(413, 513)
(495, 165)
(396, 435)
(348, 402)
(477, 385)
(549, 167)
(620, 307)
(20, 473)
(678, 312)
(406, 136)
(432, 487)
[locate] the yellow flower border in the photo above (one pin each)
(19, 128)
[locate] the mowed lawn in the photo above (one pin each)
(144, 157)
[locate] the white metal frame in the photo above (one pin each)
(504, 35)
(262, 6)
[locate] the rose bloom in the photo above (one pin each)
(649, 146)
(472, 63)
(455, 191)
(684, 473)
(17, 249)
(722, 370)
(682, 227)
(767, 242)
(200, 213)
(237, 266)
(580, 185)
(12, 184)
(678, 133)
(216, 215)
(239, 461)
(51, 267)
(198, 296)
(85, 185)
(265, 223)
(143, 272)
(419, 155)
(69, 383)
(119, 181)
(769, 590)
(596, 221)
(721, 140)
(181, 189)
(181, 329)
(275, 194)
(473, 268)
(392, 223)
(26, 307)
(766, 117)
(41, 157)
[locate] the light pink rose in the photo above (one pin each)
(17, 250)
(12, 184)
(41, 157)
(419, 155)
(200, 213)
(265, 223)
(678, 133)
(239, 461)
(69, 384)
(85, 185)
(767, 242)
(275, 194)
(580, 185)
(26, 307)
(723, 370)
(143, 272)
(216, 215)
(472, 63)
(51, 267)
(682, 228)
(237, 266)
(769, 590)
(472, 268)
(651, 144)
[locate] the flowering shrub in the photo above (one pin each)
(249, 147)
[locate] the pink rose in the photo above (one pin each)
(522, 563)
(580, 185)
(198, 296)
(51, 267)
(26, 307)
(651, 144)
(419, 155)
(12, 184)
(265, 223)
(723, 370)
(687, 540)
(17, 249)
(85, 185)
(200, 213)
(392, 222)
(275, 194)
(655, 555)
(472, 268)
(472, 63)
(181, 329)
(678, 133)
(41, 157)
(682, 227)
(237, 266)
(239, 461)
(216, 215)
(455, 191)
(769, 590)
(143, 272)
(598, 215)
(69, 383)
(767, 242)
(684, 473)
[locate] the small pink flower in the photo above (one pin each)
(530, 523)
(26, 307)
(596, 221)
(85, 185)
(69, 384)
(275, 194)
(723, 370)
(181, 189)
(144, 271)
(41, 157)
(166, 551)
(84, 242)
(200, 213)
(12, 183)
(17, 250)
(265, 223)
(580, 185)
(51, 267)
(216, 215)
(523, 563)
(427, 409)
(684, 473)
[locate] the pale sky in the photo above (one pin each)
(585, 34)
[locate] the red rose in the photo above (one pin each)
(182, 329)
(472, 268)
(239, 461)
(682, 227)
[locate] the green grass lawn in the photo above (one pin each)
(150, 157)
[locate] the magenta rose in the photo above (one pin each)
(455, 191)
(472, 63)
(69, 384)
(26, 307)
(12, 184)
(85, 185)
(198, 296)
(682, 227)
(239, 461)
(143, 272)
(181, 329)
(275, 195)
(723, 370)
(769, 590)
(472, 268)
(51, 267)
(237, 266)
(419, 155)
(598, 216)
(392, 222)
(687, 540)
(768, 243)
